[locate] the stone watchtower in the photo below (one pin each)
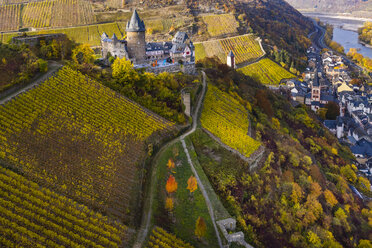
(136, 43)
(231, 60)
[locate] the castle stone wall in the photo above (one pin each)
(186, 68)
(136, 46)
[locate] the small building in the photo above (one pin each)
(344, 88)
(362, 149)
(331, 125)
(231, 60)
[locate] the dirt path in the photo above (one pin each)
(53, 67)
(201, 186)
(204, 192)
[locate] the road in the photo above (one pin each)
(53, 67)
(147, 212)
(318, 42)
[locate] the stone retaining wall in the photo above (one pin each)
(188, 68)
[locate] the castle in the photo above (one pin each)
(157, 57)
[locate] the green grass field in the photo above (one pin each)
(186, 209)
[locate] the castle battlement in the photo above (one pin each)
(180, 51)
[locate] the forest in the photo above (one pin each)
(300, 195)
(365, 33)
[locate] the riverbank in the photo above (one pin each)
(345, 32)
(347, 16)
(345, 22)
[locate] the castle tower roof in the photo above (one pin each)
(135, 24)
(231, 54)
(104, 36)
(114, 37)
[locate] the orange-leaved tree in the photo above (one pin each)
(200, 228)
(171, 185)
(170, 164)
(192, 184)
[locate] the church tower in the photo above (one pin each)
(136, 39)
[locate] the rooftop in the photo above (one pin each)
(135, 24)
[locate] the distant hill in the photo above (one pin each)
(355, 7)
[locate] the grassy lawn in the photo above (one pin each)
(186, 209)
(219, 210)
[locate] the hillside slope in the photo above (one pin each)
(81, 139)
(300, 193)
(338, 6)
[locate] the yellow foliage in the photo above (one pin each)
(200, 227)
(330, 198)
(169, 204)
(170, 164)
(192, 184)
(226, 118)
(266, 72)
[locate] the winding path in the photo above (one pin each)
(201, 186)
(147, 213)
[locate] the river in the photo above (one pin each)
(345, 31)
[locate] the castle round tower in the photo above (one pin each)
(136, 43)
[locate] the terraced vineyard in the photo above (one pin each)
(89, 34)
(161, 239)
(226, 118)
(31, 216)
(218, 25)
(164, 25)
(9, 17)
(37, 14)
(245, 47)
(72, 134)
(47, 13)
(4, 2)
(71, 13)
(267, 72)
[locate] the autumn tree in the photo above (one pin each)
(170, 164)
(315, 189)
(349, 173)
(313, 239)
(169, 204)
(123, 70)
(363, 184)
(364, 243)
(192, 184)
(171, 185)
(200, 228)
(83, 54)
(276, 123)
(263, 102)
(296, 195)
(341, 219)
(330, 198)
